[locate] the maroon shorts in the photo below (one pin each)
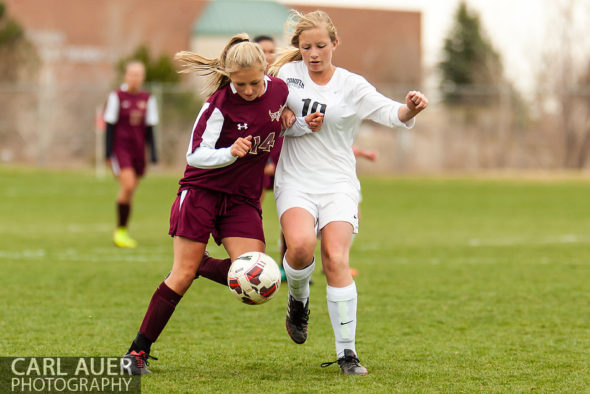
(196, 213)
(123, 158)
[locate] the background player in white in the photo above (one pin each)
(316, 183)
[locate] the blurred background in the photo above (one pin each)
(508, 82)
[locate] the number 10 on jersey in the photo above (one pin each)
(314, 107)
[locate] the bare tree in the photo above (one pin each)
(566, 58)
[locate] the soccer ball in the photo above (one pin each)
(254, 278)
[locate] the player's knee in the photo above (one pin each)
(300, 252)
(336, 257)
(334, 267)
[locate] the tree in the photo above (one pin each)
(470, 63)
(159, 70)
(19, 56)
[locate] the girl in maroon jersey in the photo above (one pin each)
(219, 194)
(131, 115)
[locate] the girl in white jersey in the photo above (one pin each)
(316, 184)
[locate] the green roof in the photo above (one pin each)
(229, 17)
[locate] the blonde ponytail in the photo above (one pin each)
(285, 56)
(237, 54)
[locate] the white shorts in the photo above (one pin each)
(325, 208)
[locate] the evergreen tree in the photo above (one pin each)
(470, 64)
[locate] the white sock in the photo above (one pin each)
(342, 309)
(298, 280)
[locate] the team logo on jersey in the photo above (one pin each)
(141, 104)
(125, 104)
(295, 82)
(276, 115)
(242, 126)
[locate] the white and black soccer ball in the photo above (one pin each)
(254, 278)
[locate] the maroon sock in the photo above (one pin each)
(161, 307)
(123, 211)
(214, 269)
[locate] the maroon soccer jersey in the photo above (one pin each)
(224, 118)
(276, 151)
(130, 128)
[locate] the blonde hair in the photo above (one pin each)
(298, 23)
(238, 54)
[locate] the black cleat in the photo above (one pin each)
(349, 364)
(297, 318)
(134, 363)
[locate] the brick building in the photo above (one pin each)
(81, 41)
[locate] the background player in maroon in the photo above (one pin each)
(219, 194)
(130, 115)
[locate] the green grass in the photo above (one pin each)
(465, 285)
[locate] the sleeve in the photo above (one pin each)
(150, 138)
(206, 131)
(373, 105)
(109, 137)
(111, 113)
(300, 127)
(151, 116)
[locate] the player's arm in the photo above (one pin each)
(293, 125)
(365, 154)
(111, 117)
(416, 102)
(151, 120)
(150, 139)
(371, 104)
(202, 152)
(296, 126)
(109, 137)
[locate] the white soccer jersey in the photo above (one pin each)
(323, 162)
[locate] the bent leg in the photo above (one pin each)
(300, 237)
(187, 256)
(217, 269)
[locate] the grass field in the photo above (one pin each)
(465, 285)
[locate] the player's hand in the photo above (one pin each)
(314, 121)
(269, 169)
(241, 147)
(287, 118)
(416, 101)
